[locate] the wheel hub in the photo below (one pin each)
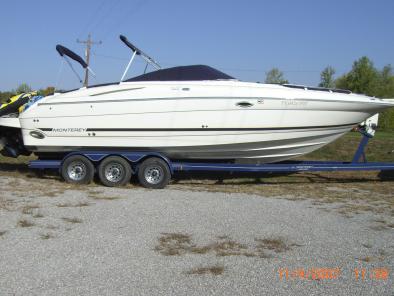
(114, 172)
(76, 171)
(154, 174)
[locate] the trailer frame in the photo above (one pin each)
(358, 163)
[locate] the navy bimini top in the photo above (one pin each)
(183, 73)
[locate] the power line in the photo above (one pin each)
(92, 17)
(105, 15)
(89, 42)
(138, 5)
(109, 56)
(223, 68)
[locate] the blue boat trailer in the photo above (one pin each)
(154, 170)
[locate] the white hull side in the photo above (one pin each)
(279, 123)
(10, 122)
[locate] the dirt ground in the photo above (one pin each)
(304, 233)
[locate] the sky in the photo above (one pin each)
(242, 38)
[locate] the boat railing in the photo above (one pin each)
(332, 90)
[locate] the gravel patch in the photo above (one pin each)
(107, 241)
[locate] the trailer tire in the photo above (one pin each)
(77, 169)
(154, 173)
(114, 171)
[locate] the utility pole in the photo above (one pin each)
(89, 44)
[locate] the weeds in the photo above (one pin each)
(72, 220)
(46, 236)
(38, 215)
(70, 205)
(5, 204)
(381, 224)
(28, 209)
(175, 244)
(100, 197)
(213, 270)
(229, 248)
(277, 245)
(380, 256)
(171, 244)
(25, 223)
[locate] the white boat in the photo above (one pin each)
(191, 112)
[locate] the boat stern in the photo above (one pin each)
(11, 142)
(9, 122)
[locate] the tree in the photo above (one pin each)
(386, 90)
(23, 88)
(327, 77)
(50, 90)
(4, 96)
(386, 83)
(275, 76)
(363, 78)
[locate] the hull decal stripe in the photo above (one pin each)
(115, 91)
(206, 129)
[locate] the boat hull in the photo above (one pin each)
(255, 147)
(237, 121)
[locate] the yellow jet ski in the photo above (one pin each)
(13, 104)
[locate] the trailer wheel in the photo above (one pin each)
(77, 169)
(154, 173)
(114, 171)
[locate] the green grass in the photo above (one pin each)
(19, 160)
(380, 148)
(213, 270)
